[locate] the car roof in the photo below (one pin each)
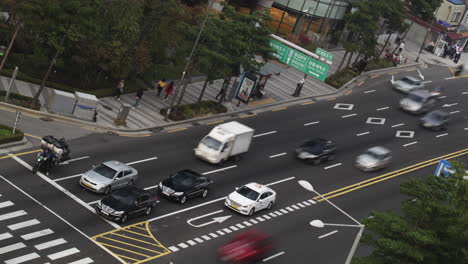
(321, 141)
(189, 173)
(411, 78)
(130, 190)
(439, 112)
(260, 188)
(421, 93)
(379, 150)
(116, 165)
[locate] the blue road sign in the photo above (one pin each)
(444, 167)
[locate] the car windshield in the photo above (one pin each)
(123, 197)
(415, 98)
(312, 147)
(374, 155)
(211, 143)
(105, 171)
(436, 116)
(183, 180)
(248, 193)
(407, 80)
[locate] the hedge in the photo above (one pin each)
(7, 137)
(20, 100)
(340, 78)
(190, 111)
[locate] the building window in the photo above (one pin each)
(456, 16)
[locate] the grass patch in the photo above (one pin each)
(19, 100)
(189, 111)
(378, 64)
(6, 135)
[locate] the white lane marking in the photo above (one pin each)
(11, 247)
(260, 219)
(273, 256)
(289, 209)
(312, 201)
(173, 248)
(12, 215)
(454, 112)
(221, 233)
(5, 236)
(295, 207)
(266, 217)
(94, 202)
(213, 235)
(264, 134)
(6, 204)
(450, 78)
(332, 166)
(206, 237)
(227, 230)
(68, 177)
(409, 144)
(240, 226)
(306, 203)
(466, 128)
(191, 242)
(362, 134)
(278, 213)
(247, 223)
(23, 258)
(312, 123)
(82, 261)
(63, 253)
(442, 135)
(183, 245)
(345, 116)
(301, 205)
(253, 221)
(284, 211)
(210, 202)
(222, 169)
(328, 234)
(60, 188)
(23, 224)
(273, 214)
(50, 244)
(465, 93)
(233, 228)
(426, 82)
(383, 108)
(442, 97)
(398, 125)
(37, 234)
(280, 181)
(61, 218)
(75, 159)
(140, 161)
(277, 155)
(370, 91)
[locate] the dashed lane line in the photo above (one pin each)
(383, 108)
(442, 135)
(265, 134)
(362, 134)
(277, 155)
(346, 116)
(328, 234)
(398, 125)
(332, 166)
(409, 144)
(454, 112)
(312, 123)
(369, 91)
(273, 256)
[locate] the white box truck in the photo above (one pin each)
(225, 141)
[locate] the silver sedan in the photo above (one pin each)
(407, 84)
(107, 176)
(375, 158)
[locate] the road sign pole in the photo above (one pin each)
(18, 114)
(11, 84)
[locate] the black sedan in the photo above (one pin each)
(316, 151)
(126, 202)
(435, 120)
(185, 184)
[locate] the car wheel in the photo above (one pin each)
(183, 199)
(331, 157)
(252, 211)
(269, 205)
(130, 182)
(124, 219)
(315, 161)
(204, 193)
(148, 210)
(107, 190)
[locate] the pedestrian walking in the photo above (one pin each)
(457, 54)
(299, 86)
(222, 91)
(453, 50)
(446, 51)
(401, 47)
(168, 90)
(161, 85)
(138, 97)
(119, 89)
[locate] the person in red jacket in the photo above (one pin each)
(168, 90)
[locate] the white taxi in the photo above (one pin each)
(251, 198)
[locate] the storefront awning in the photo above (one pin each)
(454, 36)
(464, 34)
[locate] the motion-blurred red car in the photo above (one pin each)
(246, 247)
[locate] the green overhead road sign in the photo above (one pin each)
(324, 54)
(299, 60)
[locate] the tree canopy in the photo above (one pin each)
(432, 228)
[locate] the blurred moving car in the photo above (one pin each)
(185, 184)
(407, 84)
(435, 120)
(316, 150)
(107, 176)
(374, 158)
(419, 101)
(252, 245)
(126, 202)
(251, 198)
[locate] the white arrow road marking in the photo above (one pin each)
(392, 81)
(71, 160)
(420, 75)
(449, 105)
(215, 219)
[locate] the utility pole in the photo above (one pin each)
(9, 46)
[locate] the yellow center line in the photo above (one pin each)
(216, 122)
(308, 103)
(20, 154)
(375, 76)
(361, 83)
(248, 116)
(175, 130)
(123, 249)
(350, 91)
(136, 233)
(391, 73)
(279, 109)
(331, 99)
(29, 135)
(128, 244)
(135, 136)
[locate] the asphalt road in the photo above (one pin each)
(366, 117)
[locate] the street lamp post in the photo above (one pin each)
(317, 223)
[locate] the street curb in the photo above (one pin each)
(339, 91)
(22, 142)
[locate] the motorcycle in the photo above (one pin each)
(54, 151)
(41, 163)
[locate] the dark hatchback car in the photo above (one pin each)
(185, 184)
(435, 120)
(316, 150)
(126, 202)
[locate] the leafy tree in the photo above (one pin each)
(433, 226)
(423, 8)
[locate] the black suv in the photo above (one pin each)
(185, 184)
(316, 150)
(126, 202)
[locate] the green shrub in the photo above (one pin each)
(195, 110)
(19, 100)
(378, 64)
(6, 135)
(340, 78)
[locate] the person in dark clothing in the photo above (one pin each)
(222, 91)
(168, 90)
(446, 51)
(299, 86)
(161, 85)
(453, 50)
(119, 89)
(139, 95)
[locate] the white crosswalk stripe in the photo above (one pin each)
(6, 204)
(12, 215)
(50, 244)
(12, 247)
(37, 234)
(63, 253)
(22, 259)
(82, 261)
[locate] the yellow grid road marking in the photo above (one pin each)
(120, 256)
(118, 241)
(141, 228)
(136, 233)
(142, 241)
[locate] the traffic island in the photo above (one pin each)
(190, 111)
(7, 137)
